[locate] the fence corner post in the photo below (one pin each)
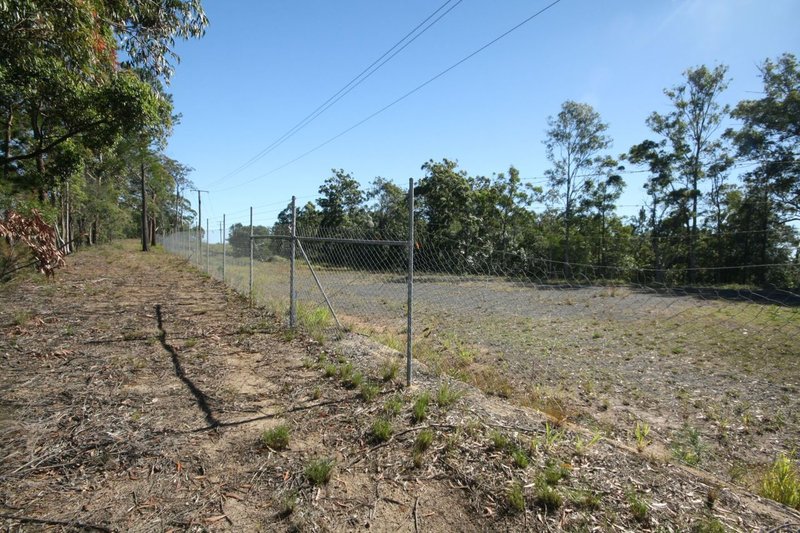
(250, 286)
(292, 295)
(410, 281)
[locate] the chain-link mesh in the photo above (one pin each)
(539, 328)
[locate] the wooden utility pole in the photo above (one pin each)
(145, 235)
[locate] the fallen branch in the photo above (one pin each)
(52, 522)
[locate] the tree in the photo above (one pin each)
(600, 201)
(696, 152)
(340, 203)
(575, 138)
(770, 137)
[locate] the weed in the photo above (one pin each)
(641, 432)
(317, 394)
(368, 391)
(639, 508)
(330, 370)
(315, 320)
(346, 372)
(708, 525)
(547, 497)
(581, 446)
(289, 504)
(318, 471)
(188, 343)
(419, 411)
(381, 430)
(782, 483)
(423, 441)
(393, 406)
(689, 447)
(499, 440)
(20, 318)
(355, 380)
(276, 438)
(520, 458)
(552, 436)
(446, 395)
(553, 473)
(587, 499)
(389, 371)
(516, 497)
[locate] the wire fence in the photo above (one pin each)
(566, 339)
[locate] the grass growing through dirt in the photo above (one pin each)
(446, 395)
(381, 430)
(318, 471)
(419, 411)
(782, 483)
(276, 438)
(516, 497)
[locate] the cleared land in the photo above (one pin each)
(714, 373)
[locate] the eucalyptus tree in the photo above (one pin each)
(770, 138)
(576, 138)
(690, 134)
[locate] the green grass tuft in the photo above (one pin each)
(276, 438)
(318, 471)
(381, 430)
(782, 483)
(419, 411)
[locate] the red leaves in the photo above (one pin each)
(37, 235)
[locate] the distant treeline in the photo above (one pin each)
(720, 207)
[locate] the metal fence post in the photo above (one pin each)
(208, 248)
(250, 290)
(410, 281)
(292, 295)
(222, 236)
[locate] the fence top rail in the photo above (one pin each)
(334, 239)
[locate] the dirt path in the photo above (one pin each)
(135, 393)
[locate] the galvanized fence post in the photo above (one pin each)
(250, 290)
(208, 248)
(410, 281)
(292, 295)
(222, 236)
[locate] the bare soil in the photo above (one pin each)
(135, 392)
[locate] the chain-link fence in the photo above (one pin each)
(711, 366)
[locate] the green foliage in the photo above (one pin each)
(516, 497)
(708, 525)
(419, 411)
(641, 432)
(381, 430)
(318, 471)
(393, 406)
(446, 395)
(276, 438)
(782, 482)
(368, 391)
(423, 441)
(520, 458)
(639, 508)
(548, 497)
(499, 440)
(689, 447)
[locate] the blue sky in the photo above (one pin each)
(265, 65)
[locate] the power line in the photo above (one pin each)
(401, 98)
(352, 84)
